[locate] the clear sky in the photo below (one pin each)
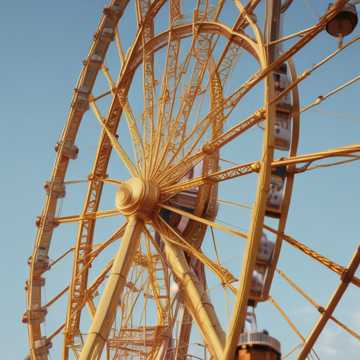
(43, 44)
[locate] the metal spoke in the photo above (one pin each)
(105, 313)
(254, 166)
(204, 221)
(331, 265)
(90, 216)
(170, 235)
(315, 304)
(196, 301)
(114, 142)
(328, 311)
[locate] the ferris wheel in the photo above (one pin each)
(167, 206)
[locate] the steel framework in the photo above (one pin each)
(154, 285)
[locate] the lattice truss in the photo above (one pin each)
(186, 115)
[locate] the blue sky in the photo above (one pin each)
(43, 47)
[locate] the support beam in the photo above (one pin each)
(255, 166)
(197, 301)
(88, 216)
(201, 220)
(105, 313)
(325, 316)
(331, 265)
(237, 322)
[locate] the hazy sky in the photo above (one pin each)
(43, 45)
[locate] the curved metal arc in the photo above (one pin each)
(289, 180)
(189, 100)
(142, 7)
(293, 88)
(180, 125)
(69, 133)
(60, 167)
(259, 45)
(169, 87)
(95, 188)
(254, 234)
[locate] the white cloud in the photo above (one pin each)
(336, 344)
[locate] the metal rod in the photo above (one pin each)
(325, 316)
(105, 313)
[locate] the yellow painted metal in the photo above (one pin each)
(328, 311)
(105, 313)
(224, 228)
(170, 235)
(114, 142)
(287, 319)
(142, 10)
(239, 311)
(100, 247)
(131, 121)
(333, 266)
(178, 171)
(290, 178)
(315, 304)
(255, 166)
(67, 252)
(76, 218)
(56, 297)
(161, 154)
(197, 301)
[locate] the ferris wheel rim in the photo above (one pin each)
(230, 35)
(209, 26)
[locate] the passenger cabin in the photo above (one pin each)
(276, 192)
(344, 22)
(69, 150)
(265, 250)
(41, 261)
(36, 314)
(263, 262)
(58, 189)
(42, 346)
(283, 111)
(257, 281)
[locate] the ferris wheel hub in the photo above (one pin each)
(137, 197)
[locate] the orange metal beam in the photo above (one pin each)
(325, 316)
